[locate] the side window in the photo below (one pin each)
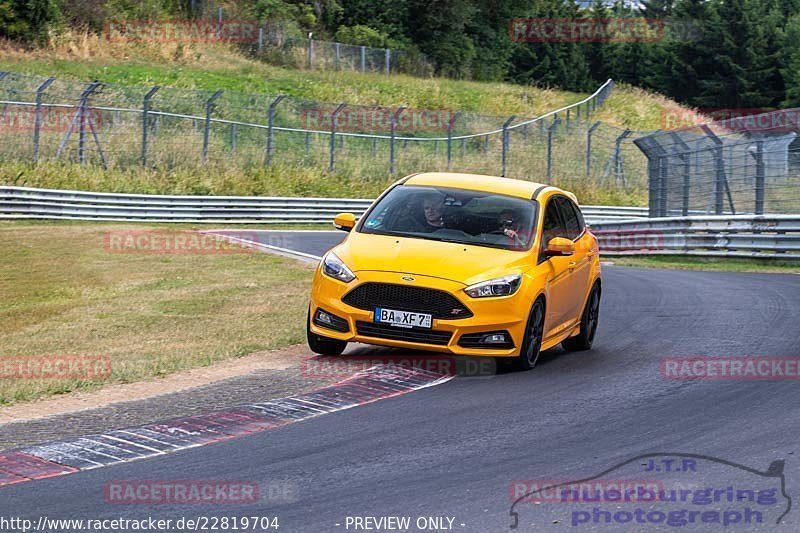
(552, 225)
(571, 216)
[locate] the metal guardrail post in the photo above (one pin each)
(334, 116)
(393, 127)
(550, 131)
(450, 125)
(207, 128)
(589, 134)
(504, 157)
(270, 125)
(37, 120)
(145, 120)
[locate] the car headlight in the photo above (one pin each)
(504, 286)
(334, 267)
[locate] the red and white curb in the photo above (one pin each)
(140, 442)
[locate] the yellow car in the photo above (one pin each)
(462, 264)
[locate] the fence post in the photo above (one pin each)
(760, 177)
(721, 180)
(687, 169)
(336, 47)
(233, 137)
(37, 121)
(207, 127)
(84, 119)
(363, 59)
(219, 23)
(334, 116)
(568, 116)
(145, 120)
(504, 157)
(550, 131)
(310, 51)
(450, 125)
(387, 60)
(270, 124)
(261, 39)
(618, 173)
(393, 126)
(589, 147)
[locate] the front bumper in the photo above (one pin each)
(508, 314)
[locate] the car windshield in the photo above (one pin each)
(454, 215)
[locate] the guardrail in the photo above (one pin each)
(31, 203)
(762, 236)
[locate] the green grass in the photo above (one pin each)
(215, 67)
(63, 292)
(725, 264)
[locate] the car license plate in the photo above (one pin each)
(402, 319)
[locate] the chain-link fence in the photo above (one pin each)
(748, 164)
(118, 126)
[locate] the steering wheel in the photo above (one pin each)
(453, 232)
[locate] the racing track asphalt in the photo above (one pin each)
(454, 449)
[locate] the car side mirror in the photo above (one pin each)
(344, 221)
(559, 246)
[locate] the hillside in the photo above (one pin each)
(211, 67)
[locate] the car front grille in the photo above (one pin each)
(437, 303)
(384, 331)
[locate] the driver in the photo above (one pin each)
(433, 209)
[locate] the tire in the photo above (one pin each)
(589, 319)
(532, 343)
(323, 345)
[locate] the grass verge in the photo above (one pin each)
(63, 292)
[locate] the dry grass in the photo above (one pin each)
(62, 292)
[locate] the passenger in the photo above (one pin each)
(510, 227)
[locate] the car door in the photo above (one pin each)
(557, 270)
(579, 266)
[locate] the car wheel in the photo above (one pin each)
(589, 320)
(532, 343)
(323, 345)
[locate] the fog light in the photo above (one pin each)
(324, 317)
(494, 338)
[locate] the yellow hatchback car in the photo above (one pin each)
(463, 264)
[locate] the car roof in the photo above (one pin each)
(476, 182)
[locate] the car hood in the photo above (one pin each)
(461, 263)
